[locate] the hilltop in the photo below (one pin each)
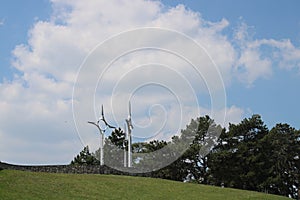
(37, 185)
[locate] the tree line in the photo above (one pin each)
(247, 156)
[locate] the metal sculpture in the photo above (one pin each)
(102, 132)
(129, 141)
(124, 146)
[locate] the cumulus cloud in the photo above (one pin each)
(257, 57)
(36, 106)
(285, 54)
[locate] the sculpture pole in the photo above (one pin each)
(101, 131)
(101, 149)
(129, 128)
(124, 146)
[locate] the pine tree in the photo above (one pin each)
(85, 158)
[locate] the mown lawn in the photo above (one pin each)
(29, 185)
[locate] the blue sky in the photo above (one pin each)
(17, 18)
(43, 44)
(277, 98)
(270, 19)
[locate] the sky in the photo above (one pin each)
(53, 80)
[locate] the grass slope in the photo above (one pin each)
(29, 185)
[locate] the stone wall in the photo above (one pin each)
(69, 169)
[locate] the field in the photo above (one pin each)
(30, 185)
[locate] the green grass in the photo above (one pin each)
(29, 185)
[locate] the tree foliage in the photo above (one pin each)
(85, 158)
(114, 148)
(246, 156)
(249, 156)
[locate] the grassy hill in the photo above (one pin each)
(29, 185)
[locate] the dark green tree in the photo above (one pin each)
(113, 149)
(193, 145)
(85, 158)
(235, 160)
(147, 154)
(147, 147)
(196, 158)
(282, 153)
(117, 137)
(177, 170)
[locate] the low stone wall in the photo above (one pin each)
(70, 169)
(58, 168)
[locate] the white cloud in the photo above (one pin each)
(251, 66)
(257, 57)
(2, 21)
(285, 54)
(36, 106)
